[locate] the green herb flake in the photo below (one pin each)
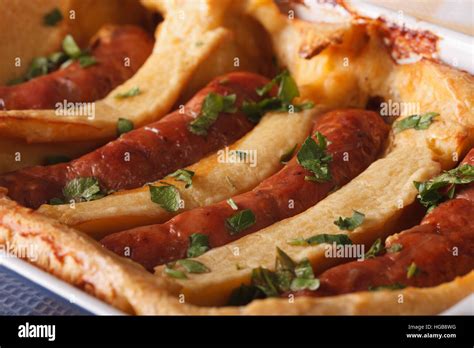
(299, 284)
(166, 196)
(232, 204)
(86, 61)
(287, 91)
(339, 239)
(124, 126)
(395, 286)
(288, 276)
(185, 176)
(261, 91)
(304, 106)
(313, 157)
(38, 67)
(193, 266)
(429, 192)
(198, 245)
(71, 48)
(294, 276)
(57, 58)
(395, 248)
(82, 189)
(211, 107)
(297, 242)
(412, 270)
(286, 157)
(67, 63)
(350, 224)
(174, 273)
(266, 281)
(283, 261)
(240, 221)
(132, 92)
(52, 18)
(375, 249)
(418, 122)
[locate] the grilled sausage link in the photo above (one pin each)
(145, 154)
(112, 48)
(356, 137)
(441, 247)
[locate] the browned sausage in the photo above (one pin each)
(441, 247)
(154, 151)
(76, 84)
(356, 135)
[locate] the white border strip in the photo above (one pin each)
(59, 287)
(457, 50)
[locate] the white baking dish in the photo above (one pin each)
(53, 284)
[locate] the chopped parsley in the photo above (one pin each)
(313, 157)
(395, 248)
(288, 276)
(198, 245)
(167, 196)
(174, 273)
(211, 107)
(56, 59)
(124, 126)
(412, 270)
(375, 249)
(240, 221)
(188, 266)
(434, 191)
(82, 189)
(71, 48)
(87, 61)
(287, 91)
(40, 66)
(185, 176)
(193, 266)
(418, 122)
(52, 18)
(350, 224)
(132, 92)
(339, 239)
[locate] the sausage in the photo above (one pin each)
(110, 48)
(442, 248)
(153, 151)
(354, 134)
